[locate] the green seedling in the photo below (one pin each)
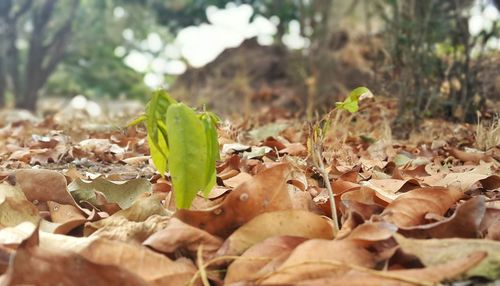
(183, 142)
(316, 140)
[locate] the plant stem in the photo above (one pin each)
(326, 180)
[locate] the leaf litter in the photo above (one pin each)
(85, 206)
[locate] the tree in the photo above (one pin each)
(47, 42)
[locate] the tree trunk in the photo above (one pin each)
(44, 58)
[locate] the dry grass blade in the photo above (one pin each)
(201, 266)
(488, 136)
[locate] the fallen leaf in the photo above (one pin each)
(139, 260)
(260, 259)
(388, 189)
(267, 191)
(122, 193)
(178, 236)
(306, 262)
(44, 185)
(119, 228)
(464, 223)
(289, 222)
(410, 208)
(408, 277)
(433, 252)
(32, 265)
(14, 207)
(237, 180)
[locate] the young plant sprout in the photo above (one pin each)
(350, 104)
(184, 143)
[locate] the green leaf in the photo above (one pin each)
(212, 151)
(188, 158)
(138, 120)
(351, 103)
(156, 112)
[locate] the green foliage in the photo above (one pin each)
(351, 103)
(183, 142)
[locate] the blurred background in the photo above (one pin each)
(428, 58)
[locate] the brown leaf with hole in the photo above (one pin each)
(179, 237)
(267, 191)
(262, 258)
(410, 208)
(289, 222)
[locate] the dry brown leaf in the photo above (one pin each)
(179, 237)
(433, 252)
(32, 265)
(306, 262)
(262, 258)
(390, 189)
(237, 180)
(44, 185)
(464, 223)
(139, 260)
(119, 228)
(289, 222)
(410, 277)
(410, 208)
(267, 191)
(14, 207)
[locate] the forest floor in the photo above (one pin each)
(81, 204)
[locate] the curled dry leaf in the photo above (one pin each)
(139, 260)
(267, 191)
(390, 189)
(179, 237)
(306, 262)
(411, 208)
(32, 264)
(289, 222)
(260, 259)
(464, 223)
(67, 217)
(432, 275)
(433, 252)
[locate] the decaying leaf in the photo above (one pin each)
(433, 252)
(411, 208)
(280, 223)
(267, 191)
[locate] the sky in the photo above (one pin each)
(228, 27)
